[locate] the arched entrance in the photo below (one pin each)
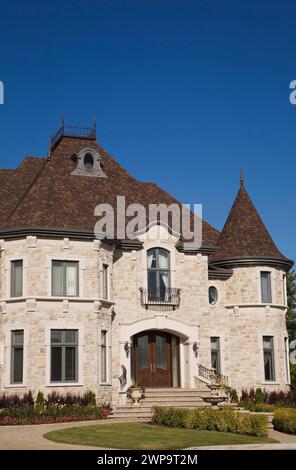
(155, 359)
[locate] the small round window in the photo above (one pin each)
(88, 161)
(213, 295)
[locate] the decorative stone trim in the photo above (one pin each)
(31, 241)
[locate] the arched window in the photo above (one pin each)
(158, 265)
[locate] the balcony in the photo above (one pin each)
(161, 297)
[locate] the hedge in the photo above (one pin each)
(285, 420)
(212, 420)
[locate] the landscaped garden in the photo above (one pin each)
(56, 408)
(147, 436)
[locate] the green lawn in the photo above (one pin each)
(146, 436)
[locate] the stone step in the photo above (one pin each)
(177, 399)
(187, 393)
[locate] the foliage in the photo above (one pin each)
(212, 420)
(13, 400)
(233, 395)
(293, 375)
(52, 414)
(40, 402)
(291, 301)
(284, 420)
(277, 398)
(259, 395)
(15, 409)
(86, 399)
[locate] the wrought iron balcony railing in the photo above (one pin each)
(169, 296)
(212, 376)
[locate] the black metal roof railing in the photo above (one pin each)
(73, 131)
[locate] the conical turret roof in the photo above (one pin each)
(245, 239)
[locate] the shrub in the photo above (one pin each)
(233, 395)
(293, 375)
(276, 398)
(285, 420)
(259, 396)
(87, 399)
(13, 400)
(212, 420)
(52, 414)
(40, 402)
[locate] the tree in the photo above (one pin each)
(291, 301)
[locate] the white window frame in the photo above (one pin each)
(9, 259)
(284, 285)
(275, 357)
(287, 359)
(272, 285)
(108, 355)
(8, 335)
(81, 268)
(221, 336)
(172, 253)
(107, 271)
(59, 325)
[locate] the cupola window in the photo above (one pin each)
(88, 161)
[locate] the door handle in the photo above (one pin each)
(151, 368)
(154, 368)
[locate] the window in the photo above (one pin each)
(88, 161)
(265, 287)
(17, 356)
(65, 281)
(16, 286)
(268, 357)
(286, 340)
(215, 354)
(284, 289)
(105, 281)
(158, 264)
(213, 295)
(104, 356)
(64, 356)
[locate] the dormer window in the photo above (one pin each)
(88, 161)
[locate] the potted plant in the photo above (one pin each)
(135, 393)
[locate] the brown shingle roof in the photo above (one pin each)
(244, 234)
(39, 194)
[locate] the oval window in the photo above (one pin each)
(88, 161)
(213, 295)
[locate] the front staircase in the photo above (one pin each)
(170, 397)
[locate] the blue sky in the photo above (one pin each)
(184, 92)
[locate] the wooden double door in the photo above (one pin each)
(156, 359)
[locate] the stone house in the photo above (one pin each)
(79, 313)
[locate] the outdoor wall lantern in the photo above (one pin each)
(195, 349)
(127, 348)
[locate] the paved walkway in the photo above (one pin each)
(31, 438)
(286, 442)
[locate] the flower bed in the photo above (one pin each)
(57, 408)
(262, 400)
(212, 420)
